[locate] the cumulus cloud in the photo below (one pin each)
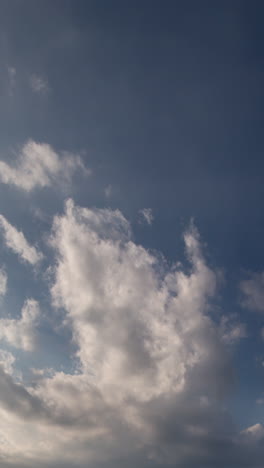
(16, 241)
(20, 333)
(39, 165)
(3, 282)
(146, 215)
(153, 370)
(253, 291)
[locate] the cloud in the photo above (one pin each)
(3, 282)
(39, 165)
(6, 361)
(38, 84)
(16, 241)
(153, 370)
(108, 191)
(253, 291)
(231, 330)
(146, 215)
(21, 333)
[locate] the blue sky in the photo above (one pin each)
(131, 259)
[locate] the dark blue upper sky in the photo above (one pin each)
(166, 100)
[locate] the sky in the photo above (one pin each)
(131, 234)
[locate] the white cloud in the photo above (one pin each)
(146, 215)
(153, 369)
(39, 84)
(3, 282)
(20, 333)
(16, 241)
(6, 361)
(39, 165)
(253, 290)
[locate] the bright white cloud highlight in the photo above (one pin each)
(39, 165)
(16, 241)
(20, 333)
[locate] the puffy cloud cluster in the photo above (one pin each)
(153, 366)
(16, 241)
(39, 165)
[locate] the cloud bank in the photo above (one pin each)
(153, 367)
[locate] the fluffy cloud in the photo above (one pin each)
(16, 241)
(39, 165)
(153, 367)
(20, 333)
(253, 291)
(3, 282)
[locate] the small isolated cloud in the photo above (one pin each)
(16, 241)
(39, 165)
(108, 191)
(253, 292)
(38, 84)
(146, 216)
(21, 333)
(3, 282)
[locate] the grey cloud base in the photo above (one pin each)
(153, 368)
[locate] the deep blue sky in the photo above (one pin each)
(166, 101)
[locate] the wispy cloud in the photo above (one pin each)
(253, 292)
(39, 84)
(39, 165)
(146, 216)
(16, 241)
(108, 191)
